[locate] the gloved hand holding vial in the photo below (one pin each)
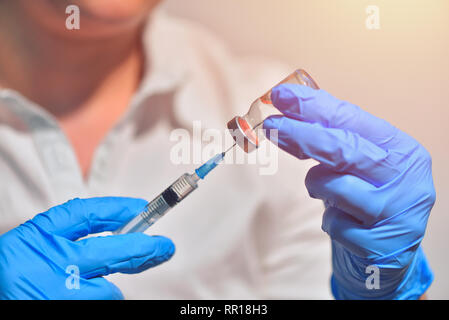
(377, 186)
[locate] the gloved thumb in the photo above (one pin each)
(126, 253)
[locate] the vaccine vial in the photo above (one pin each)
(247, 130)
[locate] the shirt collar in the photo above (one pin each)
(164, 72)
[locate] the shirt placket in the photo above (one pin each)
(61, 164)
(104, 163)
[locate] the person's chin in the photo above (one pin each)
(99, 18)
(116, 11)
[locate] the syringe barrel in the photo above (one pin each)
(159, 206)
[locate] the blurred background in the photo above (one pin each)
(399, 72)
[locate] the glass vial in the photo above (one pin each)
(247, 130)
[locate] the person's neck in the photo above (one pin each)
(66, 75)
(86, 84)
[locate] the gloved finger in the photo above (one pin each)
(368, 242)
(91, 289)
(80, 217)
(126, 253)
(318, 106)
(341, 150)
(347, 193)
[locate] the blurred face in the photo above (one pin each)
(98, 18)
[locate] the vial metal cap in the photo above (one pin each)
(243, 134)
(245, 129)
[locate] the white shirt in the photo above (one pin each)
(241, 235)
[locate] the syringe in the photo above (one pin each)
(170, 197)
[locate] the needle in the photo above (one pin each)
(230, 148)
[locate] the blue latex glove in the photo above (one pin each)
(377, 187)
(40, 258)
